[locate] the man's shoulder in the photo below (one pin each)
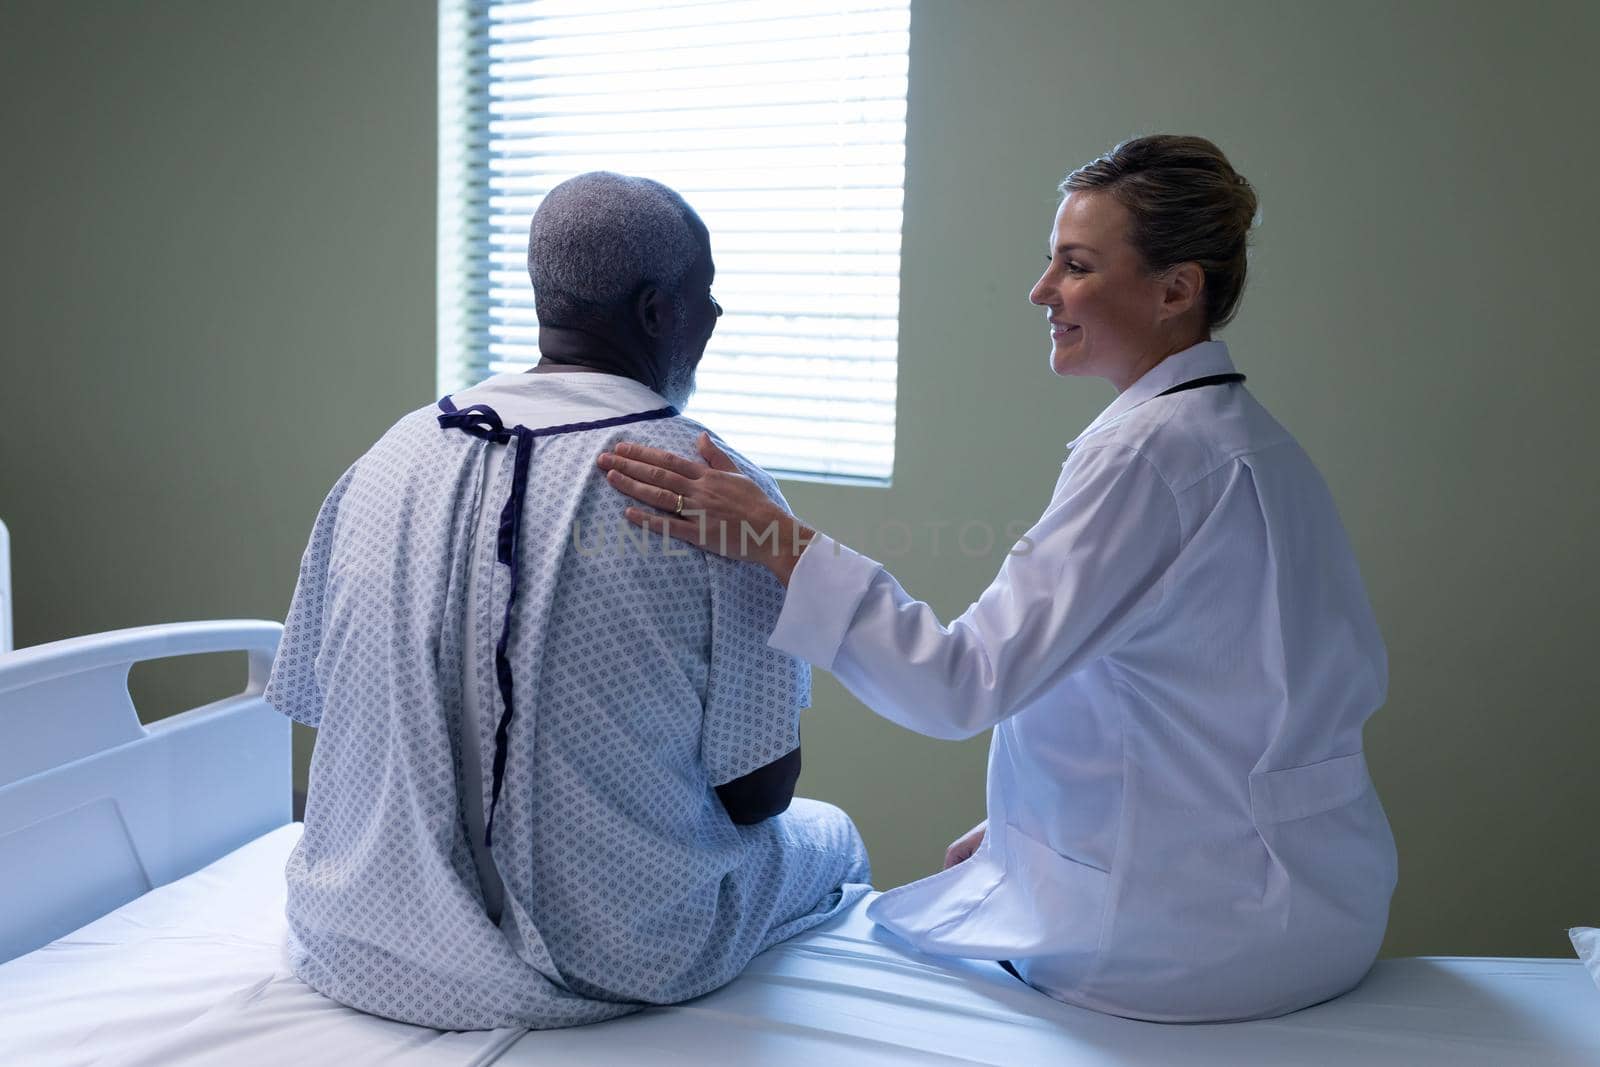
(685, 433)
(400, 443)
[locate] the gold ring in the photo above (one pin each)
(679, 509)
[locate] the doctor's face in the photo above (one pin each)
(1101, 301)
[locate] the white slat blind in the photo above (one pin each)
(782, 123)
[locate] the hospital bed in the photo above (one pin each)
(141, 918)
(5, 589)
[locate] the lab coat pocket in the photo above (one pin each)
(1054, 905)
(1332, 858)
(1300, 792)
(1016, 898)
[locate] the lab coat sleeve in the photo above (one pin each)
(1082, 579)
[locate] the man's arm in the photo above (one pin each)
(750, 743)
(764, 792)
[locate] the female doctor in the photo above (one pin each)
(1176, 661)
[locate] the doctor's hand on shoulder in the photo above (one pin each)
(711, 504)
(962, 848)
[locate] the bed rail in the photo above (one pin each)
(97, 808)
(6, 639)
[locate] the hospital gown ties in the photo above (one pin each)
(643, 683)
(482, 421)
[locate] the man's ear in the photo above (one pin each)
(1184, 284)
(651, 310)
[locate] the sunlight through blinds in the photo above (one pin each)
(783, 124)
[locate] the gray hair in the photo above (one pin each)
(598, 238)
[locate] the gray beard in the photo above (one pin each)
(679, 386)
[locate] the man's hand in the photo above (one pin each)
(962, 848)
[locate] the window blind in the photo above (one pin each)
(783, 124)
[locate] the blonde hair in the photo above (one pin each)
(1187, 203)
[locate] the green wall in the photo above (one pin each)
(218, 290)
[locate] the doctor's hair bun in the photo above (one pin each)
(1188, 205)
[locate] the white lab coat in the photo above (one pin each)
(1181, 824)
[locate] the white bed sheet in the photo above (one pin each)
(194, 973)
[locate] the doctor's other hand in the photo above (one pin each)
(708, 504)
(962, 848)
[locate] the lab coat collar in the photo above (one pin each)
(1196, 361)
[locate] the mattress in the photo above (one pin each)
(194, 973)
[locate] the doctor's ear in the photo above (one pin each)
(1183, 285)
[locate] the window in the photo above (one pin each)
(783, 124)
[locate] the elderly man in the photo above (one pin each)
(554, 764)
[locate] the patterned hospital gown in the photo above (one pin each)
(642, 679)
